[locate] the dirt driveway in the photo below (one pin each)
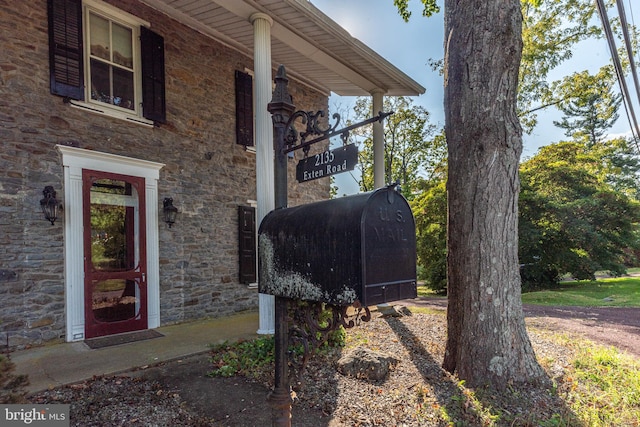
(616, 326)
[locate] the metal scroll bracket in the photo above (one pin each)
(295, 140)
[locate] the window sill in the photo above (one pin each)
(92, 108)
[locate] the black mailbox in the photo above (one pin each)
(356, 249)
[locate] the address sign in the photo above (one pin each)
(327, 163)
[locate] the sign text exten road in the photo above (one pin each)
(327, 163)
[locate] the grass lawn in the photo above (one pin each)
(424, 291)
(616, 292)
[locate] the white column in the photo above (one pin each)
(378, 146)
(378, 141)
(264, 143)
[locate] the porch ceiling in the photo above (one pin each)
(315, 49)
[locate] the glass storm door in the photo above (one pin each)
(115, 261)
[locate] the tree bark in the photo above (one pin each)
(487, 341)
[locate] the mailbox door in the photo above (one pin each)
(389, 256)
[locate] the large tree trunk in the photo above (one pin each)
(487, 340)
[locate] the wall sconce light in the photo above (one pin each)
(49, 204)
(169, 211)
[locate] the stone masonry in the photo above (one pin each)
(207, 174)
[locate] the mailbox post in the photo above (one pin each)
(281, 107)
(367, 243)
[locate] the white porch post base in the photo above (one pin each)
(267, 314)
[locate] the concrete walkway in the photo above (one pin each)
(57, 364)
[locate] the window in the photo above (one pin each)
(107, 60)
(110, 68)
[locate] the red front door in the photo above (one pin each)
(115, 276)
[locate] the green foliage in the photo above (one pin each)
(621, 166)
(430, 213)
(415, 156)
(253, 358)
(578, 215)
(589, 106)
(571, 219)
(414, 153)
(550, 30)
(337, 338)
(334, 338)
(11, 385)
(430, 8)
(243, 358)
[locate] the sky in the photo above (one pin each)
(409, 46)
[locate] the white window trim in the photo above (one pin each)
(109, 12)
(118, 14)
(74, 161)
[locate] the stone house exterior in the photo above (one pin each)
(120, 105)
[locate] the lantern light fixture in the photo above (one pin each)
(169, 211)
(49, 204)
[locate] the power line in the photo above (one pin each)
(627, 40)
(633, 22)
(633, 123)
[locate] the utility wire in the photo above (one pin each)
(627, 40)
(633, 21)
(635, 130)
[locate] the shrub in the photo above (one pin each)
(251, 358)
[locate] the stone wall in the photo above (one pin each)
(207, 174)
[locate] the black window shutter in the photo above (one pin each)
(244, 109)
(153, 81)
(247, 243)
(66, 68)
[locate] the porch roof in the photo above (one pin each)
(314, 48)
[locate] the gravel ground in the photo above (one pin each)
(122, 401)
(416, 393)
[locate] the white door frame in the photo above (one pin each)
(74, 161)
